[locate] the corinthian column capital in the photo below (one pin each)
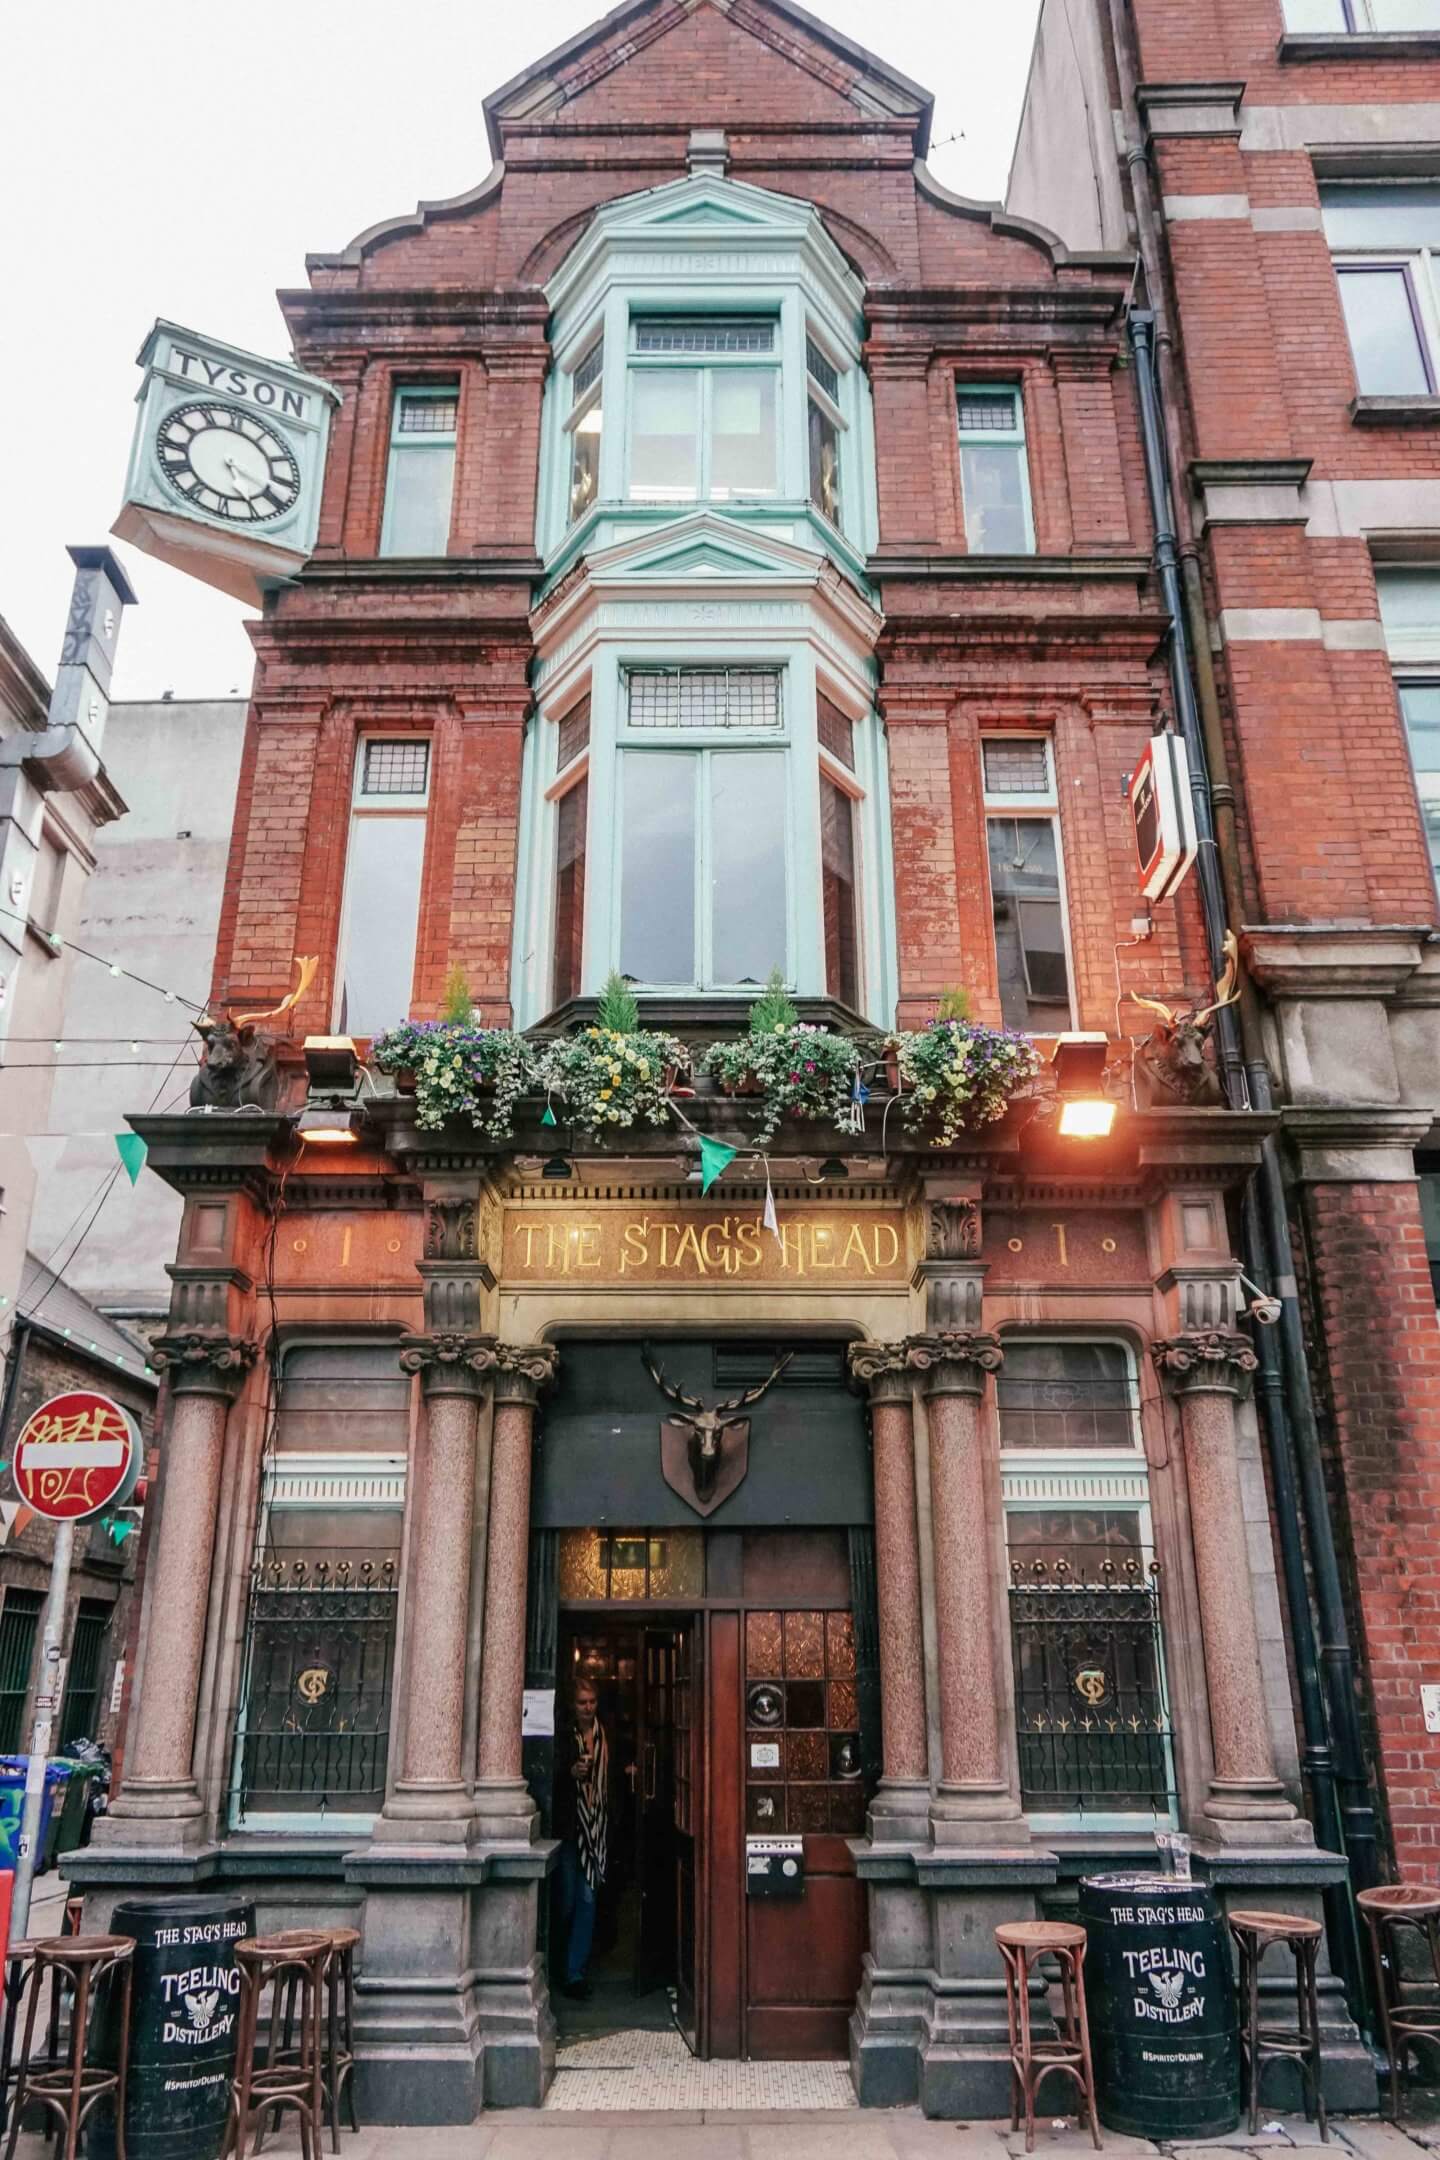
(204, 1364)
(448, 1360)
(879, 1369)
(1217, 1361)
(954, 1362)
(519, 1372)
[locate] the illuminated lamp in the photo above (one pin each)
(1078, 1061)
(329, 1124)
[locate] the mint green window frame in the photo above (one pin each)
(705, 367)
(976, 443)
(426, 461)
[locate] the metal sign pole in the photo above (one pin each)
(47, 1703)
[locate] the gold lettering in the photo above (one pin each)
(747, 1235)
(635, 1250)
(587, 1245)
(886, 1234)
(725, 1258)
(1059, 1230)
(529, 1231)
(345, 1245)
(855, 1244)
(667, 1230)
(792, 1240)
(821, 1242)
(691, 1244)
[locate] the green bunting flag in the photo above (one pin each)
(549, 1116)
(132, 1152)
(121, 1530)
(715, 1160)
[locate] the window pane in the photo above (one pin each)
(572, 734)
(664, 465)
(837, 868)
(995, 518)
(396, 768)
(824, 463)
(429, 415)
(657, 882)
(1406, 14)
(992, 412)
(588, 372)
(704, 334)
(585, 461)
(1384, 214)
(1013, 767)
(1066, 1395)
(1384, 337)
(1029, 930)
(748, 913)
(703, 697)
(343, 1396)
(1420, 703)
(570, 818)
(836, 730)
(417, 499)
(1315, 15)
(1082, 1537)
(742, 432)
(824, 371)
(382, 909)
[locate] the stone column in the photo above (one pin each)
(519, 1373)
(900, 1810)
(975, 1803)
(432, 1787)
(1208, 1370)
(206, 1373)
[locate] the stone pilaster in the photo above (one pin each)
(1208, 1370)
(519, 1373)
(975, 1802)
(206, 1371)
(432, 1788)
(899, 1811)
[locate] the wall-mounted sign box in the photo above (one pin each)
(774, 1867)
(227, 462)
(1162, 816)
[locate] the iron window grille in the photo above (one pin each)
(703, 697)
(78, 1719)
(704, 334)
(19, 1620)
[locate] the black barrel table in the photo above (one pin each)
(1161, 2003)
(184, 2026)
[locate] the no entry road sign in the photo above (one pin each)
(78, 1454)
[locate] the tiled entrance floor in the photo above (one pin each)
(656, 2070)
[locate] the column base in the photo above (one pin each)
(983, 1815)
(900, 1812)
(422, 1814)
(505, 1812)
(1252, 1815)
(155, 1814)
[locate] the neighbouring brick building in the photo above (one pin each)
(735, 554)
(1287, 180)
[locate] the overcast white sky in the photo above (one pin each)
(178, 158)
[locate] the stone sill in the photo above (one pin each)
(997, 569)
(1360, 45)
(420, 570)
(1396, 411)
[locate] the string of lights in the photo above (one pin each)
(113, 967)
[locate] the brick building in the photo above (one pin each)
(1285, 161)
(735, 555)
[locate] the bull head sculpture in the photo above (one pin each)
(710, 1473)
(1172, 1058)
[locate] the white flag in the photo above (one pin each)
(769, 1218)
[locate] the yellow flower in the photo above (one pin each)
(615, 1076)
(643, 1067)
(606, 1093)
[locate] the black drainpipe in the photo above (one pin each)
(1334, 1758)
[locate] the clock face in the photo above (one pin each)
(228, 463)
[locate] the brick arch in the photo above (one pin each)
(867, 256)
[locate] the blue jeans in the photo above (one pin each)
(577, 1912)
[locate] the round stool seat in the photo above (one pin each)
(1277, 1926)
(344, 1938)
(1401, 1900)
(64, 2084)
(1040, 1935)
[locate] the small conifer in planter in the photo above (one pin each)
(957, 1074)
(800, 1070)
(616, 1073)
(457, 1067)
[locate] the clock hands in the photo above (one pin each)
(241, 478)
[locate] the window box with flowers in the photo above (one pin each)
(799, 1070)
(460, 1069)
(956, 1075)
(616, 1073)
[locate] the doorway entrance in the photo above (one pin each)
(642, 1972)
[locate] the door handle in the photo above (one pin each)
(651, 1770)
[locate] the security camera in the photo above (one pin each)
(1265, 1311)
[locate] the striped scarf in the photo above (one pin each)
(592, 1807)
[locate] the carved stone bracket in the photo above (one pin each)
(450, 1227)
(881, 1370)
(204, 1364)
(1206, 1360)
(955, 1361)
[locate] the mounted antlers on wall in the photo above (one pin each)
(702, 1469)
(1171, 1064)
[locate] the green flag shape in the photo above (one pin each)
(132, 1151)
(549, 1116)
(715, 1160)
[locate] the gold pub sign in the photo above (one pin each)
(705, 1245)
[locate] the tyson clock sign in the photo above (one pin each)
(1162, 816)
(78, 1454)
(227, 462)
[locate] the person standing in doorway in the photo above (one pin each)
(582, 1820)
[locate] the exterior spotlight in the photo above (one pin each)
(832, 1169)
(1078, 1061)
(558, 1166)
(331, 1062)
(328, 1125)
(1087, 1118)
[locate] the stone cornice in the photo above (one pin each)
(950, 566)
(1333, 960)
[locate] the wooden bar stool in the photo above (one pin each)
(68, 2087)
(1387, 1910)
(293, 1966)
(340, 2036)
(1254, 1932)
(1031, 2061)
